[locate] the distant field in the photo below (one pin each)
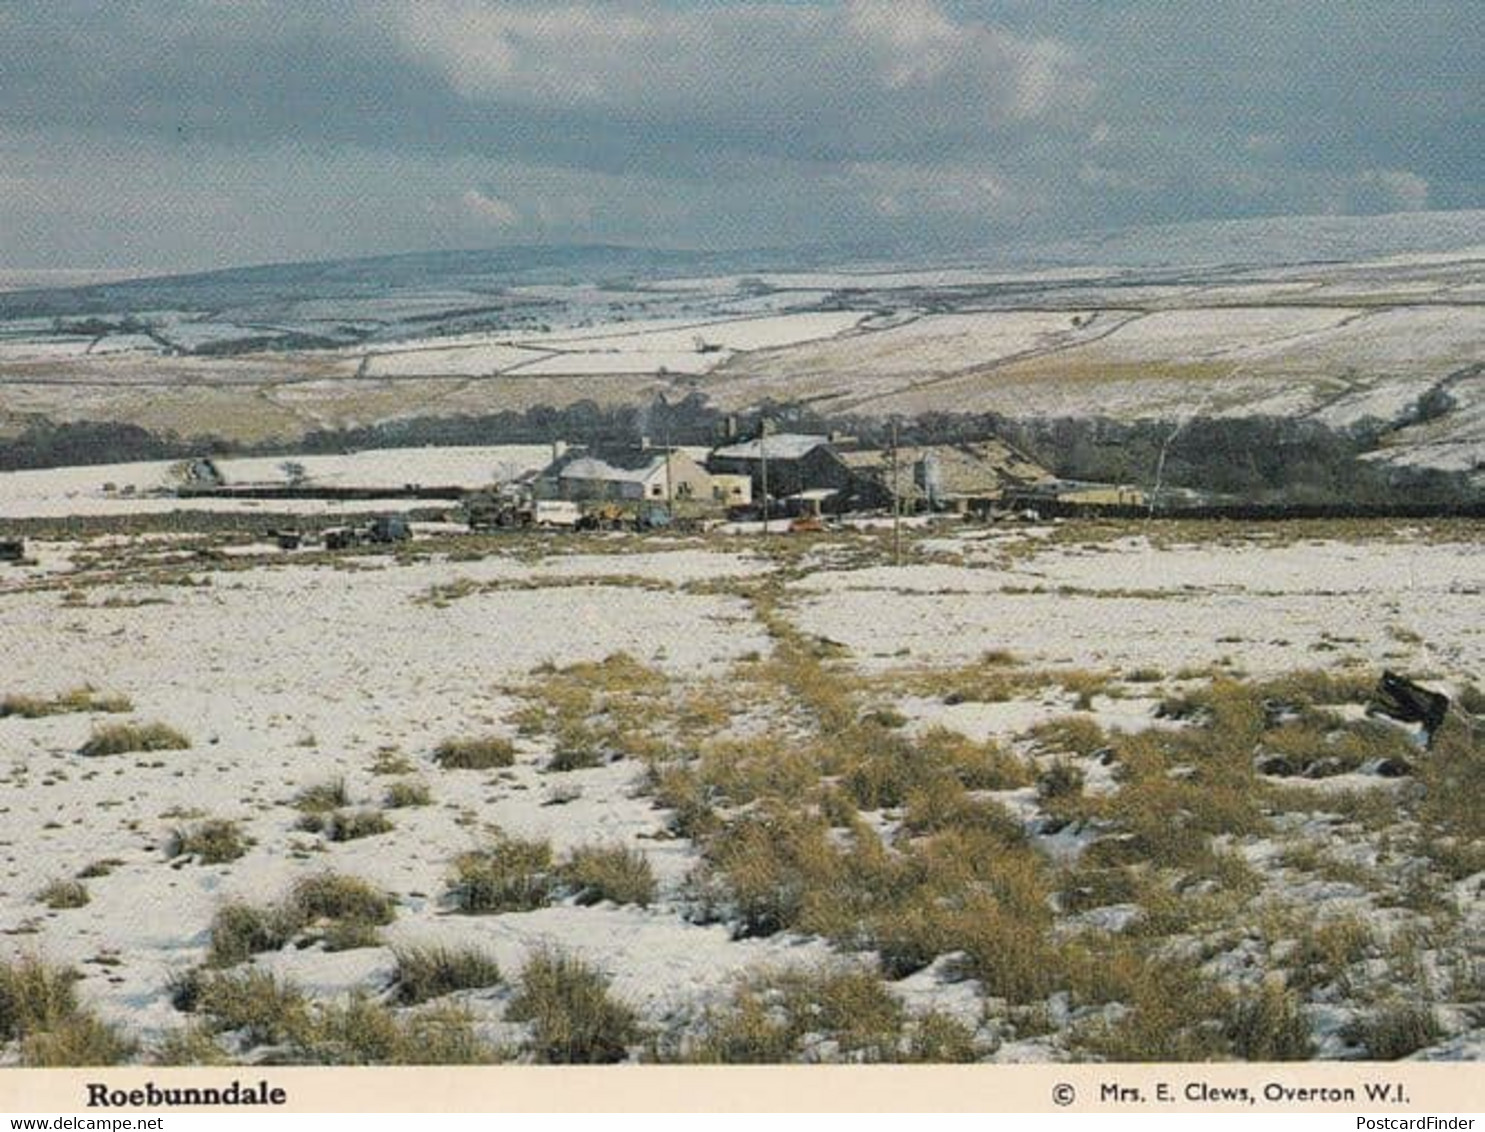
(1339, 341)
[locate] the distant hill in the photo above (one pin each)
(1271, 242)
(371, 277)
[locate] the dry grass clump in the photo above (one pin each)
(61, 894)
(595, 873)
(1060, 780)
(1268, 1024)
(34, 996)
(823, 1016)
(351, 825)
(1394, 1030)
(1083, 686)
(1167, 1010)
(882, 769)
(403, 795)
(1450, 813)
(485, 753)
(578, 747)
(390, 761)
(772, 1018)
(77, 1041)
(737, 772)
(424, 973)
(343, 911)
(513, 875)
(1006, 939)
(1326, 952)
(573, 1018)
(263, 1007)
(330, 896)
(1071, 734)
(259, 1009)
(595, 711)
(192, 1044)
(768, 871)
(213, 842)
(977, 766)
(691, 802)
(83, 699)
(1471, 699)
(322, 797)
(1238, 701)
(1318, 745)
(38, 1006)
(122, 738)
(359, 1031)
(239, 931)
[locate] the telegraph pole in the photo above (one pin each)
(896, 503)
(763, 463)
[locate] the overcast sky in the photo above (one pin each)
(155, 134)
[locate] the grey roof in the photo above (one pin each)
(593, 468)
(776, 446)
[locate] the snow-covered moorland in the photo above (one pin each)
(1040, 793)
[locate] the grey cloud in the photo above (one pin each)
(610, 86)
(261, 129)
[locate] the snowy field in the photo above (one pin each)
(148, 486)
(717, 658)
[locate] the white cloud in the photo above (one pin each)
(841, 64)
(491, 210)
(1400, 188)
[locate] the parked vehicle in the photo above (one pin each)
(556, 513)
(389, 528)
(383, 530)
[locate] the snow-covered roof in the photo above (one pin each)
(592, 468)
(776, 446)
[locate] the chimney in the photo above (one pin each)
(559, 449)
(644, 443)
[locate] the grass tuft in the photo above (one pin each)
(77, 1041)
(594, 874)
(573, 1019)
(1268, 1025)
(1395, 1030)
(83, 699)
(403, 795)
(213, 842)
(331, 896)
(239, 931)
(511, 876)
(322, 797)
(62, 894)
(122, 738)
(34, 996)
(352, 825)
(475, 754)
(425, 973)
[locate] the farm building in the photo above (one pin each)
(629, 474)
(732, 491)
(795, 462)
(956, 477)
